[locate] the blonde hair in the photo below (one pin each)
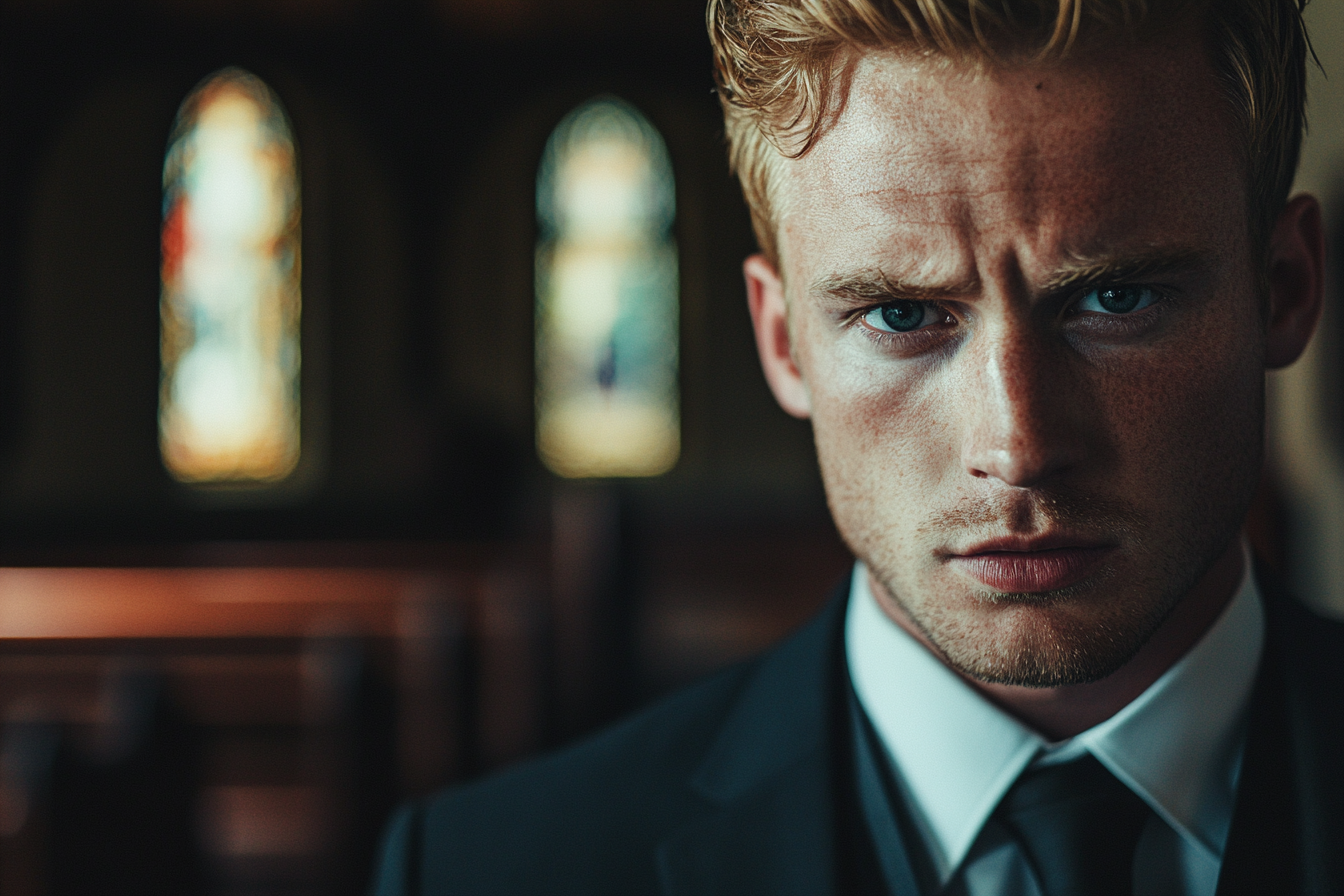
(779, 69)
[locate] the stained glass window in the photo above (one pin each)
(606, 281)
(229, 395)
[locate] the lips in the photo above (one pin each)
(1024, 570)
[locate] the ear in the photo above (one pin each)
(1296, 280)
(770, 319)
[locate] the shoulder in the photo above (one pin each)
(590, 818)
(585, 819)
(1304, 665)
(1310, 646)
(1304, 678)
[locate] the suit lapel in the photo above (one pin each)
(776, 839)
(770, 778)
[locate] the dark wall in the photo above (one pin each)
(419, 130)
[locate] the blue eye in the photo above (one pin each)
(900, 316)
(1117, 299)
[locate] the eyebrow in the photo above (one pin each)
(874, 285)
(1085, 271)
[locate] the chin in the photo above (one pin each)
(1043, 640)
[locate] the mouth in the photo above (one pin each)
(1031, 565)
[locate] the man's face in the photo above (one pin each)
(1024, 318)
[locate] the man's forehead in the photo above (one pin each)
(929, 118)
(926, 150)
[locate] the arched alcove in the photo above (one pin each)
(230, 301)
(607, 297)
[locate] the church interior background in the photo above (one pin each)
(378, 406)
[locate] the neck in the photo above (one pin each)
(1061, 712)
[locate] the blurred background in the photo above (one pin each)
(378, 406)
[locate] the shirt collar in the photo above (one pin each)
(955, 754)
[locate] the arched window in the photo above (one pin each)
(606, 269)
(229, 399)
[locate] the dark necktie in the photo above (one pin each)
(1078, 826)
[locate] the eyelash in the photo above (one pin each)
(945, 317)
(912, 342)
(1121, 324)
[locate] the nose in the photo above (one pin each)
(1019, 424)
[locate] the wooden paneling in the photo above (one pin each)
(195, 603)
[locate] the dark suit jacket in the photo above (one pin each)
(742, 784)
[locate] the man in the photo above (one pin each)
(1024, 267)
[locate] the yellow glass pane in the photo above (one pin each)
(229, 399)
(607, 396)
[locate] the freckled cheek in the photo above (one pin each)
(878, 428)
(1196, 417)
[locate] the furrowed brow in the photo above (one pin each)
(1098, 271)
(866, 287)
(874, 286)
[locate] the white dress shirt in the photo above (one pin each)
(954, 754)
